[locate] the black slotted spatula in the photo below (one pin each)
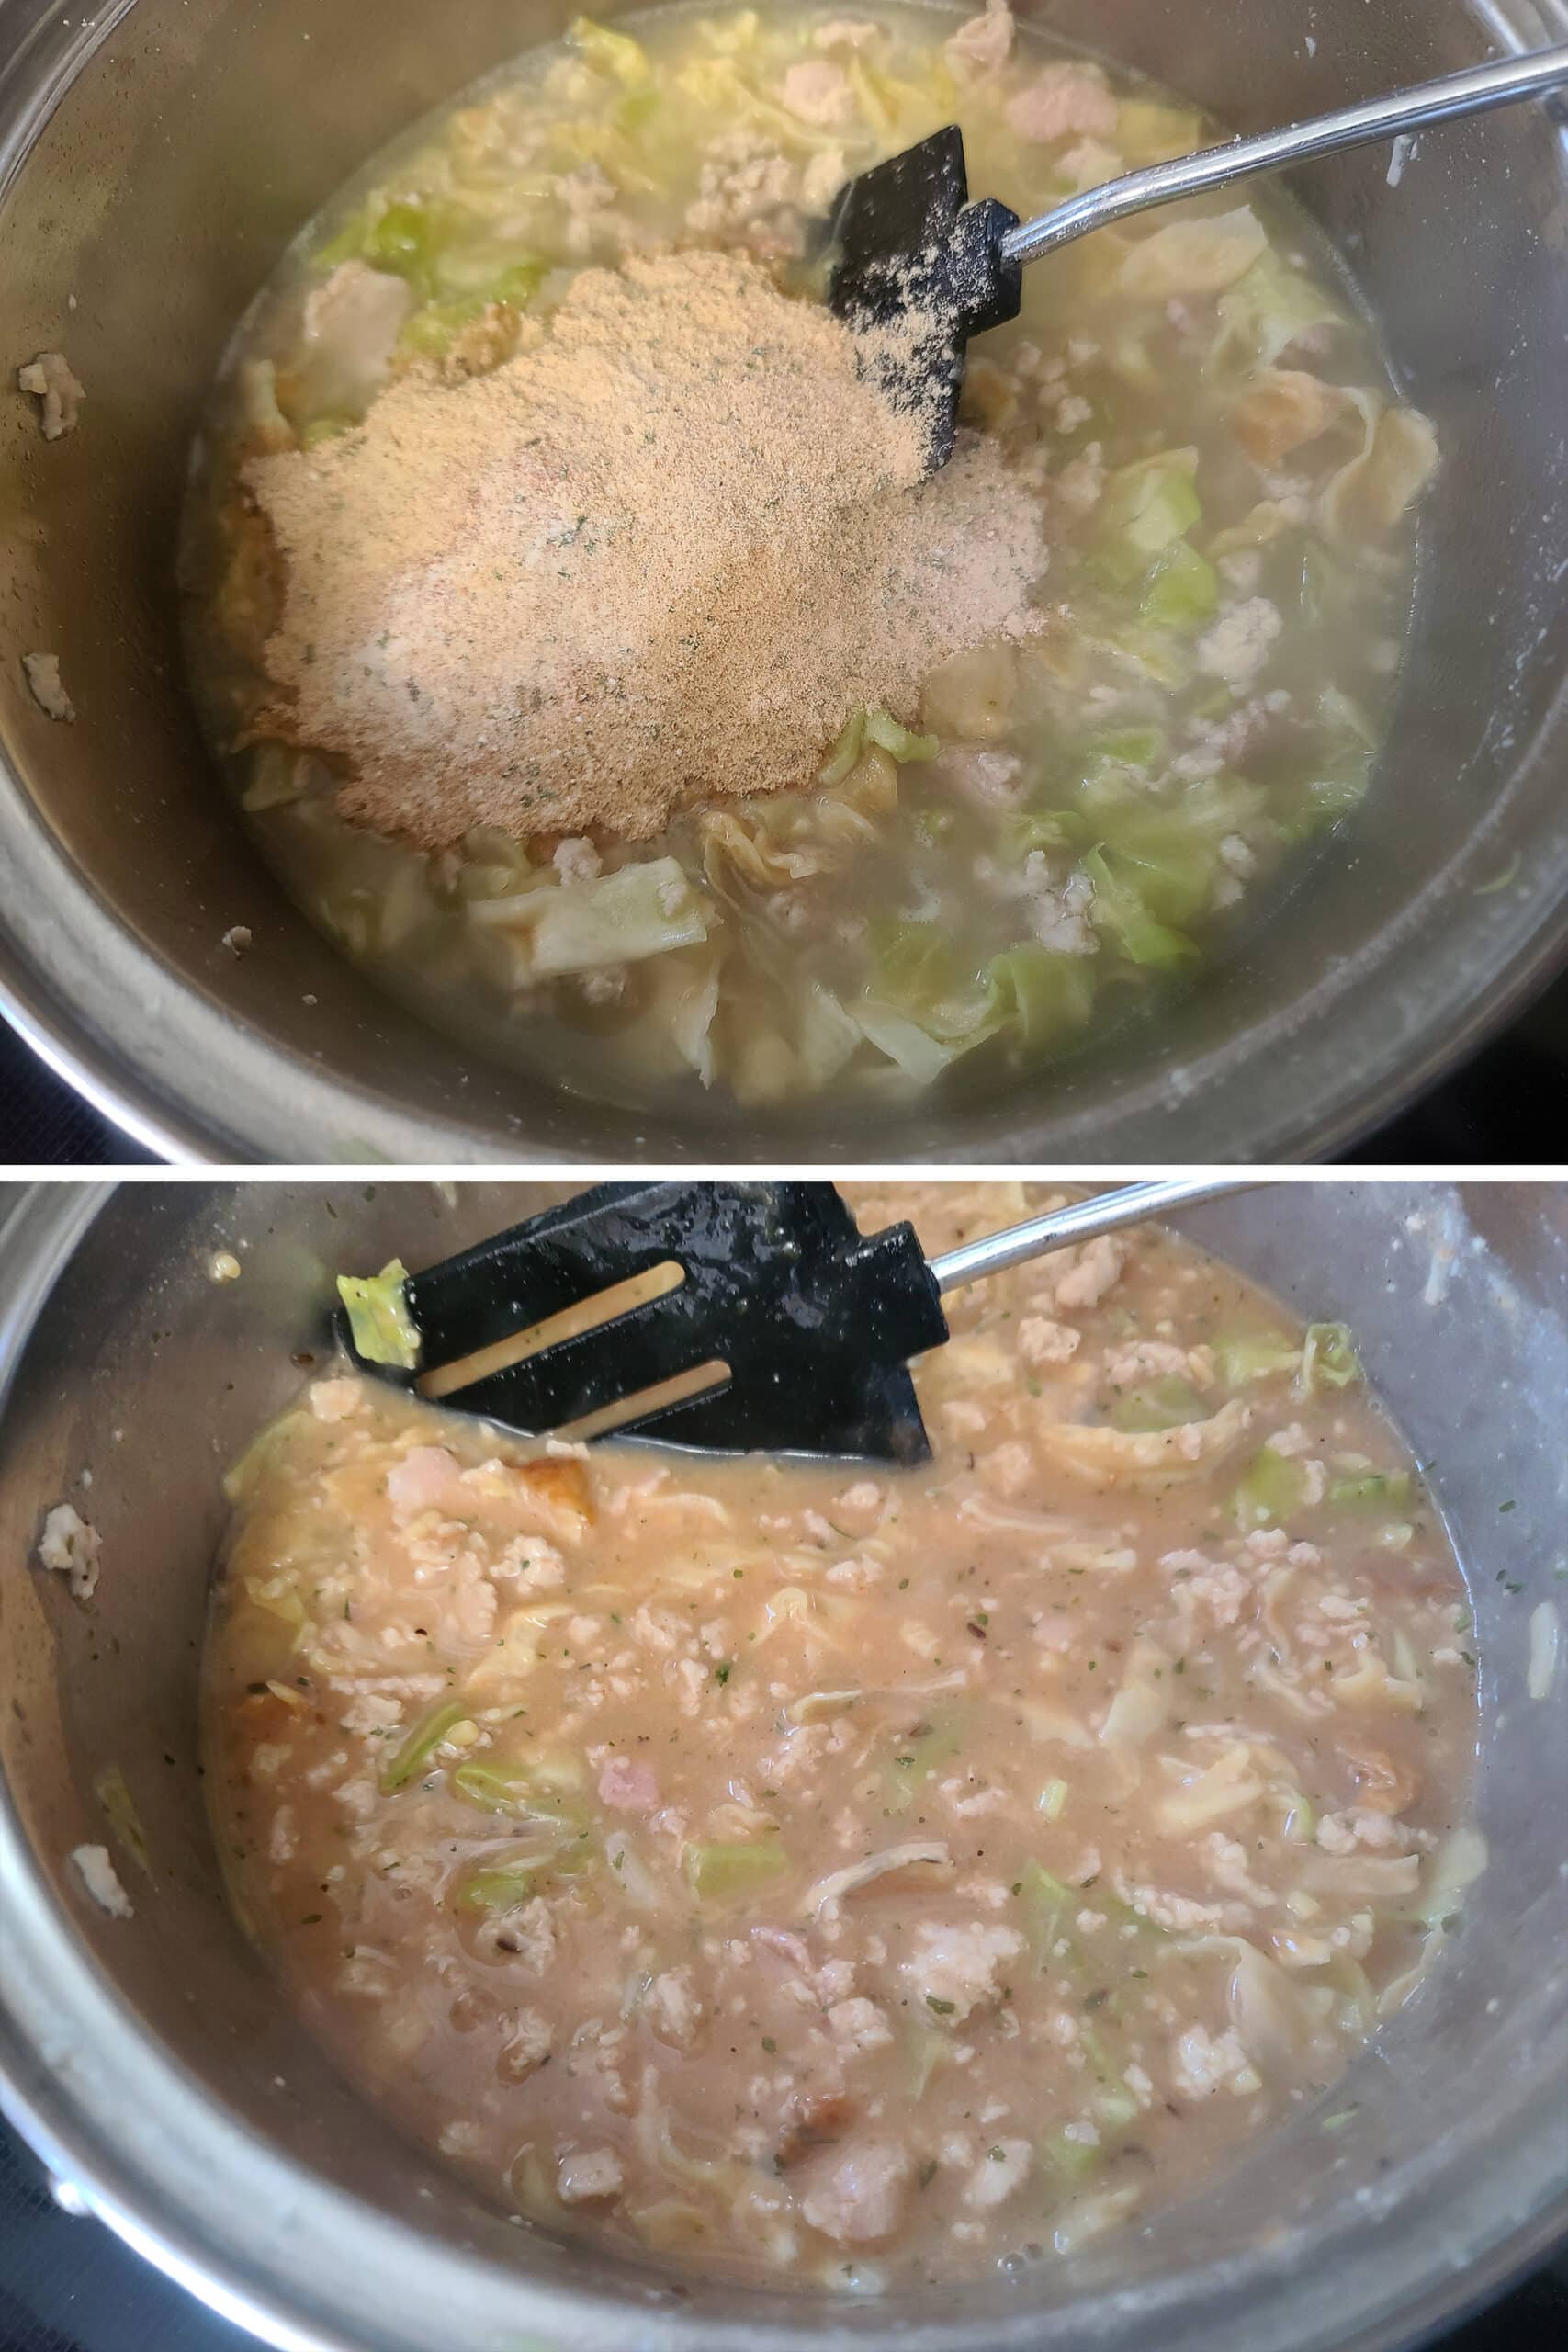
(911, 254)
(913, 260)
(813, 1322)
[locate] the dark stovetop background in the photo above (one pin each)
(1493, 1112)
(70, 2286)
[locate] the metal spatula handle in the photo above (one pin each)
(994, 1252)
(1477, 89)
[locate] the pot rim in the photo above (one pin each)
(113, 2113)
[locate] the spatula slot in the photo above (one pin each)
(590, 1314)
(702, 1380)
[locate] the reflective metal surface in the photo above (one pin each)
(1503, 81)
(155, 157)
(149, 2060)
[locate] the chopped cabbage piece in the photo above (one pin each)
(1164, 1404)
(1145, 507)
(1181, 588)
(915, 964)
(1298, 1817)
(1108, 1457)
(408, 1761)
(404, 238)
(502, 1789)
(1328, 583)
(827, 1035)
(1170, 852)
(1037, 996)
(1107, 756)
(1119, 910)
(1338, 772)
(912, 1766)
(969, 697)
(1069, 2163)
(1274, 2017)
(886, 730)
(1244, 1360)
(1052, 830)
(1330, 1354)
(502, 1886)
(891, 1859)
(919, 1054)
(1373, 1491)
(614, 53)
(384, 1331)
(1342, 720)
(744, 844)
(872, 727)
(1150, 132)
(1204, 256)
(927, 1008)
(1457, 1864)
(1143, 1703)
(432, 330)
(277, 776)
(1281, 409)
(114, 1796)
(1336, 787)
(846, 750)
(633, 1877)
(1365, 499)
(928, 2049)
(1048, 1906)
(728, 1870)
(1264, 312)
(735, 34)
(1271, 1488)
(682, 1006)
(716, 85)
(636, 911)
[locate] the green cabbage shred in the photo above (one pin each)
(1269, 1490)
(1121, 911)
(1329, 1355)
(1146, 507)
(874, 727)
(408, 1761)
(378, 1317)
(728, 1871)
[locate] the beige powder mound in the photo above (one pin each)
(657, 557)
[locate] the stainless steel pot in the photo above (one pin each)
(148, 2058)
(155, 158)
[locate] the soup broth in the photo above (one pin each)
(852, 1875)
(974, 879)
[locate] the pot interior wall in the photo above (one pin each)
(192, 142)
(146, 1374)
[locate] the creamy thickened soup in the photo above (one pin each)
(855, 1875)
(587, 650)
